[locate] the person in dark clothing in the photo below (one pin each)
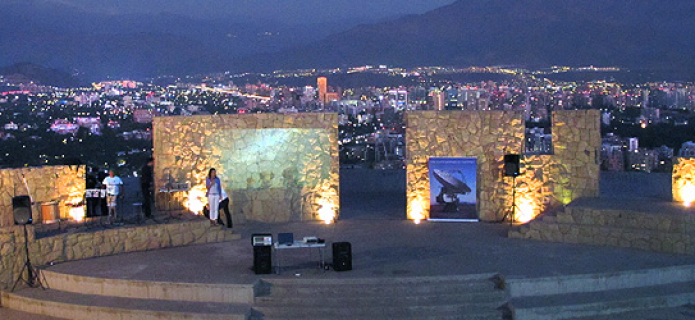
(147, 186)
(101, 175)
(224, 205)
(93, 199)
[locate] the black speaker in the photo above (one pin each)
(262, 259)
(342, 256)
(21, 207)
(511, 165)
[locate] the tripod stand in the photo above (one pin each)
(511, 213)
(33, 276)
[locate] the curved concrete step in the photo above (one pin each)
(675, 313)
(494, 298)
(76, 306)
(526, 287)
(481, 277)
(400, 317)
(377, 291)
(567, 306)
(9, 314)
(439, 297)
(416, 286)
(482, 311)
(175, 291)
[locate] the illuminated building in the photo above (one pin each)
(398, 99)
(322, 84)
(438, 99)
(687, 150)
(331, 96)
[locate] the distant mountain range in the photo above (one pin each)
(637, 34)
(640, 34)
(96, 45)
(40, 75)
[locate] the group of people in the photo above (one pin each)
(112, 188)
(217, 197)
(113, 192)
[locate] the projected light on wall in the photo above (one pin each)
(271, 174)
(274, 167)
(273, 158)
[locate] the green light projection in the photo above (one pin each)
(273, 158)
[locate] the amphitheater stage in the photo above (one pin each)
(380, 248)
(405, 271)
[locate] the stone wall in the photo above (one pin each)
(75, 246)
(488, 136)
(672, 233)
(275, 167)
(683, 180)
(548, 181)
(576, 141)
(62, 184)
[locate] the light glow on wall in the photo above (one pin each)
(683, 181)
(76, 210)
(530, 194)
(326, 212)
(326, 202)
(196, 199)
(687, 193)
(77, 213)
(417, 211)
(525, 211)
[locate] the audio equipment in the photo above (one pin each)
(262, 240)
(511, 165)
(262, 259)
(342, 256)
(262, 253)
(21, 207)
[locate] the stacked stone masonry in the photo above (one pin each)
(64, 185)
(275, 167)
(75, 246)
(548, 181)
(618, 228)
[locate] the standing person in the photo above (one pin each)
(113, 184)
(101, 175)
(224, 204)
(147, 186)
(214, 193)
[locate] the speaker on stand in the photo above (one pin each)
(21, 209)
(342, 256)
(511, 165)
(512, 169)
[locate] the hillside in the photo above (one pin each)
(630, 33)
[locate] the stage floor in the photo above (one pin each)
(381, 248)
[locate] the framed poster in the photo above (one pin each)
(453, 189)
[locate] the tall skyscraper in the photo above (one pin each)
(322, 84)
